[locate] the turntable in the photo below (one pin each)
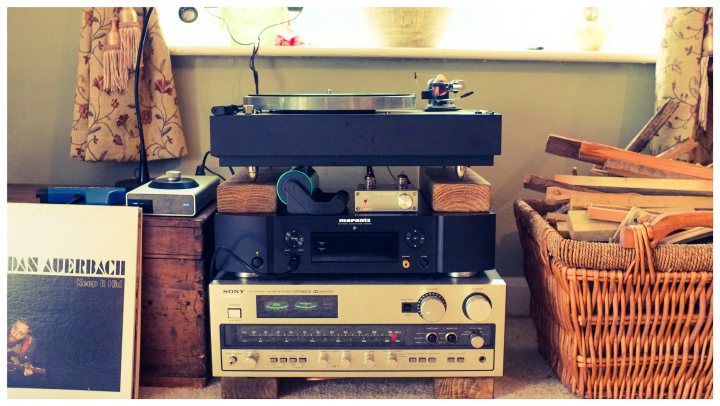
(350, 130)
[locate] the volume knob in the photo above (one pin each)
(432, 307)
(477, 307)
(477, 341)
(404, 201)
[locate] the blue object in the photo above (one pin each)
(94, 195)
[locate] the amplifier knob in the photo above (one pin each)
(392, 362)
(345, 359)
(432, 307)
(477, 341)
(369, 360)
(250, 361)
(404, 201)
(323, 360)
(477, 307)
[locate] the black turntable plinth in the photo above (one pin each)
(346, 130)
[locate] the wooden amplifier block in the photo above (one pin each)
(447, 193)
(240, 194)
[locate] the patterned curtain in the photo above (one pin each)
(104, 126)
(684, 72)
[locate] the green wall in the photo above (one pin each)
(603, 102)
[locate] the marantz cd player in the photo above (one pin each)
(351, 327)
(399, 243)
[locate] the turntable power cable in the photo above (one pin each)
(232, 255)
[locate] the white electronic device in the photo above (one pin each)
(174, 194)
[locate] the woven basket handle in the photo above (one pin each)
(662, 225)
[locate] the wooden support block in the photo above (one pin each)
(663, 114)
(464, 388)
(673, 187)
(449, 194)
(599, 153)
(584, 229)
(240, 194)
(248, 388)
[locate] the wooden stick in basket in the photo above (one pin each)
(665, 224)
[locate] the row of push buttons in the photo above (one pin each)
(458, 359)
(422, 359)
(285, 360)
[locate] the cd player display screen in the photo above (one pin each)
(355, 247)
(297, 306)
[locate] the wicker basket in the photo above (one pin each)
(610, 329)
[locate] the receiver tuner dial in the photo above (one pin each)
(477, 307)
(432, 307)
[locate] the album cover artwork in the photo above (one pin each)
(72, 301)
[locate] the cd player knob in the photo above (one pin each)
(432, 307)
(345, 359)
(250, 361)
(477, 341)
(294, 238)
(392, 362)
(369, 360)
(415, 238)
(477, 307)
(404, 201)
(323, 360)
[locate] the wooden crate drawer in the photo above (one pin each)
(173, 331)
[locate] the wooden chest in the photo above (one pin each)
(174, 341)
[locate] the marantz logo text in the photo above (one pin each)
(226, 291)
(354, 221)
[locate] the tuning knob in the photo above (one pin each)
(477, 307)
(477, 341)
(345, 359)
(392, 361)
(250, 361)
(323, 360)
(369, 361)
(432, 307)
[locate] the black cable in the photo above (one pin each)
(255, 44)
(391, 174)
(144, 175)
(232, 255)
(200, 170)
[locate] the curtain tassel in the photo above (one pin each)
(115, 76)
(129, 37)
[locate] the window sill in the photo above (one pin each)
(416, 53)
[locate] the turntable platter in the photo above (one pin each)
(331, 102)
